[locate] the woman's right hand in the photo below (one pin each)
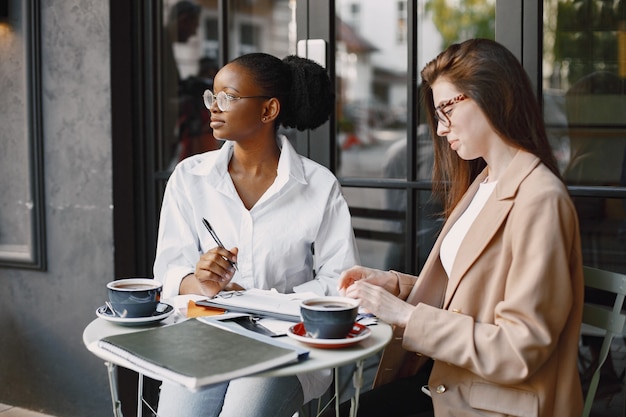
(384, 279)
(213, 273)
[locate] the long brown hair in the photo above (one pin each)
(491, 76)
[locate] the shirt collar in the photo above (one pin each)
(290, 163)
(215, 168)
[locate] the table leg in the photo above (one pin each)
(337, 399)
(357, 381)
(140, 395)
(117, 405)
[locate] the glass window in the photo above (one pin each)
(188, 62)
(584, 84)
(401, 27)
(210, 38)
(189, 58)
(373, 120)
(252, 27)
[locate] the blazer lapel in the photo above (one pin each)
(490, 218)
(478, 237)
(433, 281)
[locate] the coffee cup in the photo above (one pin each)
(134, 297)
(328, 317)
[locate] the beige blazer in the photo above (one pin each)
(503, 330)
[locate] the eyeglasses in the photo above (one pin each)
(442, 115)
(223, 99)
(228, 294)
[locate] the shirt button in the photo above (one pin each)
(440, 389)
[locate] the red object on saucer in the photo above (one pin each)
(358, 333)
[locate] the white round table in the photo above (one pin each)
(319, 358)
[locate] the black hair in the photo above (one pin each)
(302, 87)
(182, 8)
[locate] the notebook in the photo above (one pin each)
(197, 353)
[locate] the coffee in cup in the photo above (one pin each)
(328, 317)
(134, 297)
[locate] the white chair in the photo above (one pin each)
(604, 321)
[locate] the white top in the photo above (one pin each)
(452, 241)
(304, 206)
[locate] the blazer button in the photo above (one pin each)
(440, 389)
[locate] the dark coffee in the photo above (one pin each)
(328, 304)
(139, 287)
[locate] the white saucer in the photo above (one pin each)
(357, 334)
(104, 313)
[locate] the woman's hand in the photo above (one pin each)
(380, 302)
(213, 273)
(376, 292)
(384, 279)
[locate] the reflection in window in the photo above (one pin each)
(249, 35)
(252, 27)
(584, 107)
(189, 51)
(187, 60)
(210, 38)
(401, 27)
(472, 19)
(188, 65)
(354, 17)
(372, 115)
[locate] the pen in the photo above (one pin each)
(217, 240)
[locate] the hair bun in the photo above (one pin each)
(311, 96)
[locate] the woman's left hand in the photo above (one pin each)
(381, 303)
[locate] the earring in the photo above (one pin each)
(264, 118)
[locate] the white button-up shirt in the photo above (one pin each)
(297, 237)
(302, 212)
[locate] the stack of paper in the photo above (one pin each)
(261, 303)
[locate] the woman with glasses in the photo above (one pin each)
(497, 306)
(274, 219)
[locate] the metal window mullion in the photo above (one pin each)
(411, 221)
(222, 30)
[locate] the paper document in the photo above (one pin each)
(262, 303)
